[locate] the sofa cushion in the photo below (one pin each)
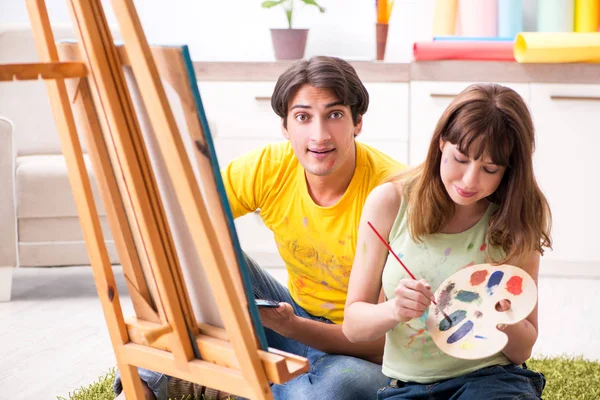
(43, 189)
(49, 254)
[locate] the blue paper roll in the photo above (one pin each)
(510, 17)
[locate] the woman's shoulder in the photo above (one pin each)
(388, 195)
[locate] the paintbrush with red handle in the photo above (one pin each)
(406, 269)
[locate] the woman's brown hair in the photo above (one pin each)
(494, 121)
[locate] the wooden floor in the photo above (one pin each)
(53, 339)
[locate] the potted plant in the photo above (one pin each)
(289, 43)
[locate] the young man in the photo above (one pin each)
(310, 191)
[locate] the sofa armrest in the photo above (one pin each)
(8, 212)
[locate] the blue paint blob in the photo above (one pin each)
(480, 337)
(467, 296)
(456, 317)
(494, 280)
(460, 332)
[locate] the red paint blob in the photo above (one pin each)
(483, 246)
(515, 285)
(478, 276)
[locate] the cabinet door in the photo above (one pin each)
(241, 109)
(385, 125)
(428, 100)
(567, 122)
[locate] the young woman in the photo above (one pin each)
(474, 200)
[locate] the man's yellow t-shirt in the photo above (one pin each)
(316, 243)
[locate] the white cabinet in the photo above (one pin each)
(242, 116)
(400, 121)
(567, 122)
(428, 100)
(385, 125)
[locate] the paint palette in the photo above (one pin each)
(469, 298)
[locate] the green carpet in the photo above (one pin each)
(567, 379)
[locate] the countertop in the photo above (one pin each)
(447, 70)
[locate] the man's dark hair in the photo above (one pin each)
(322, 72)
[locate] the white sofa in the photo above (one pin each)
(39, 220)
(8, 234)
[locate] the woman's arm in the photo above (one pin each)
(366, 319)
(523, 335)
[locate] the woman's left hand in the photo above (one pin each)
(502, 306)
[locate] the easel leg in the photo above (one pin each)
(132, 385)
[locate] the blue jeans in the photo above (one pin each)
(491, 383)
(331, 376)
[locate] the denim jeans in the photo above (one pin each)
(490, 383)
(331, 376)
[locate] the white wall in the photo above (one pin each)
(238, 30)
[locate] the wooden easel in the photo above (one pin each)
(165, 335)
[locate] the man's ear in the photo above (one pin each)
(358, 126)
(284, 130)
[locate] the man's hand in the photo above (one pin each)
(278, 319)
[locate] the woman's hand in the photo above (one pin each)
(411, 299)
(502, 306)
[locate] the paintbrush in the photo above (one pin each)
(406, 269)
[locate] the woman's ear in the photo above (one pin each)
(442, 144)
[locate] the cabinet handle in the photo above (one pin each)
(569, 97)
(442, 95)
(262, 98)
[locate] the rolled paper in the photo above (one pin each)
(587, 15)
(510, 17)
(478, 17)
(561, 47)
(444, 20)
(555, 15)
(382, 11)
(462, 50)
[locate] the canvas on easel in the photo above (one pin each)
(141, 115)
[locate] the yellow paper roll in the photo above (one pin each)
(587, 15)
(561, 47)
(445, 18)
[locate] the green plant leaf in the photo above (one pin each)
(271, 3)
(314, 3)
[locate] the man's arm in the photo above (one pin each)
(319, 335)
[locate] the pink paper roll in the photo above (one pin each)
(447, 50)
(478, 17)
